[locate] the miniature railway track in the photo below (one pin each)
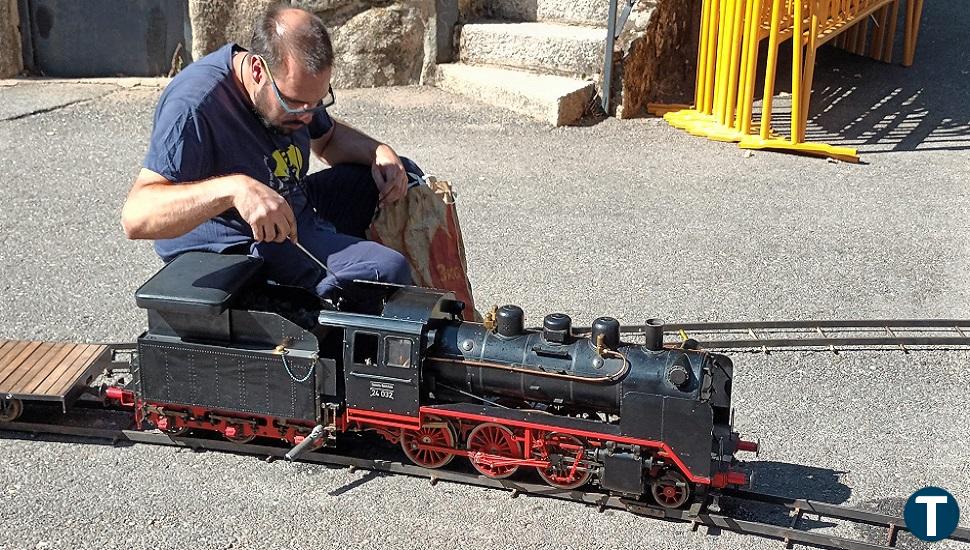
(821, 335)
(111, 426)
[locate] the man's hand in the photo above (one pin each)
(389, 174)
(269, 215)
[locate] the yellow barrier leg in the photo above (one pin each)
(850, 37)
(751, 70)
(879, 33)
(700, 93)
(913, 29)
(860, 48)
(887, 51)
(743, 65)
(796, 70)
(771, 70)
(708, 106)
(809, 76)
(723, 47)
(852, 41)
(734, 67)
(841, 41)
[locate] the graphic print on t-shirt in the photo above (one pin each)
(285, 169)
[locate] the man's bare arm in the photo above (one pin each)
(346, 144)
(159, 209)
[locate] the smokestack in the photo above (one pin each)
(654, 329)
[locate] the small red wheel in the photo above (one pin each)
(439, 435)
(171, 426)
(564, 452)
(498, 442)
(671, 490)
(237, 434)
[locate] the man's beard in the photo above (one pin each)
(260, 109)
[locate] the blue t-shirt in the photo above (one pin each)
(204, 127)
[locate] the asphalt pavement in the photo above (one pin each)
(631, 219)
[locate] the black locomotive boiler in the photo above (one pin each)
(227, 352)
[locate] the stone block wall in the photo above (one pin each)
(654, 57)
(376, 42)
(398, 42)
(379, 42)
(659, 58)
(215, 22)
(11, 58)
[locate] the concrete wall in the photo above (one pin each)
(11, 58)
(106, 37)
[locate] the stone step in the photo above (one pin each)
(567, 50)
(556, 100)
(583, 12)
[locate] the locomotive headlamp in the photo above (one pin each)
(678, 375)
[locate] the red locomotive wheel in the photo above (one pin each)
(429, 436)
(499, 442)
(671, 490)
(564, 451)
(10, 409)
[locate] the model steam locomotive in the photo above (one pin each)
(227, 352)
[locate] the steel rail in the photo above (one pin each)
(790, 535)
(832, 335)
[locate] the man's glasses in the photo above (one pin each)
(327, 101)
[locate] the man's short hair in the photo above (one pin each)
(307, 44)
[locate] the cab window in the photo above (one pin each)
(365, 348)
(398, 352)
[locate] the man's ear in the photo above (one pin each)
(256, 69)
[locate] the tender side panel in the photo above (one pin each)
(230, 379)
(44, 370)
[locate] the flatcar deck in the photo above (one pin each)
(47, 371)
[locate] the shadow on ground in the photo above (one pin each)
(879, 107)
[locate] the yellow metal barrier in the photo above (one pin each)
(732, 32)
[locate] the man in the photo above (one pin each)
(226, 168)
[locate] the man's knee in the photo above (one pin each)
(411, 167)
(345, 195)
(395, 268)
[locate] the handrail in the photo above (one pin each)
(613, 30)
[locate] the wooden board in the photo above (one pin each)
(44, 369)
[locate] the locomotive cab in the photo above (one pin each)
(382, 354)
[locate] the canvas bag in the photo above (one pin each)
(423, 226)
